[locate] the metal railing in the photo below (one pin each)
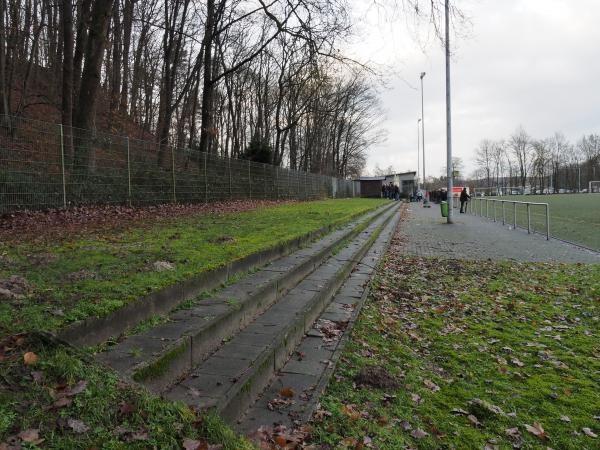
(45, 165)
(521, 213)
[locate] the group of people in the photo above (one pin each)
(390, 191)
(441, 195)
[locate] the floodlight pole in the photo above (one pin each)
(423, 131)
(448, 117)
(418, 153)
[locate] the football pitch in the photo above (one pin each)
(573, 217)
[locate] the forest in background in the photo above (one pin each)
(256, 79)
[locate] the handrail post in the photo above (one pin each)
(547, 221)
(515, 215)
(62, 165)
(495, 210)
(528, 219)
(487, 208)
(503, 215)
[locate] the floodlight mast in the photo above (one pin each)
(449, 167)
(423, 131)
(418, 153)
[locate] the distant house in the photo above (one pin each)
(371, 186)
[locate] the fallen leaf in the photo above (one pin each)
(281, 441)
(565, 418)
(77, 389)
(419, 434)
(512, 432)
(416, 398)
(349, 442)
(350, 412)
(589, 432)
(62, 402)
(77, 426)
(405, 425)
(191, 444)
(31, 435)
(537, 430)
(474, 421)
(431, 385)
(126, 408)
(287, 392)
(30, 358)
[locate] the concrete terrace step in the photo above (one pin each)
(159, 356)
(95, 330)
(308, 371)
(230, 379)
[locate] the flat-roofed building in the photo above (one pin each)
(371, 186)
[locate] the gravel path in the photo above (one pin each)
(470, 237)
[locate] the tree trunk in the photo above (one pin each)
(127, 22)
(115, 82)
(90, 78)
(67, 75)
(4, 88)
(208, 87)
(83, 19)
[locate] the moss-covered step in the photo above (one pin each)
(232, 377)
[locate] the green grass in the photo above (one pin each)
(520, 336)
(573, 217)
(120, 261)
(114, 415)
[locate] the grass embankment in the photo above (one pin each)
(573, 217)
(55, 397)
(94, 274)
(483, 355)
(58, 398)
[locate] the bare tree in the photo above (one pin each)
(520, 145)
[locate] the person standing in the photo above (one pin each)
(464, 198)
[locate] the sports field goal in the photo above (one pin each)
(594, 186)
(497, 191)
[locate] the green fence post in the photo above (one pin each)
(205, 180)
(276, 183)
(62, 165)
(230, 191)
(128, 174)
(173, 173)
(249, 181)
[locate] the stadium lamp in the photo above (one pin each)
(423, 134)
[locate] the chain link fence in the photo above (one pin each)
(44, 165)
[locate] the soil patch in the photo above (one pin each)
(377, 377)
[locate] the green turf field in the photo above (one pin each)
(573, 217)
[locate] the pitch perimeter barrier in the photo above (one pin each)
(524, 215)
(45, 165)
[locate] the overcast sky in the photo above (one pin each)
(534, 63)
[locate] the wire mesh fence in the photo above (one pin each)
(44, 165)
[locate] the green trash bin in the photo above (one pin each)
(444, 209)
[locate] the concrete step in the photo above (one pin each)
(96, 330)
(231, 378)
(162, 354)
(307, 373)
